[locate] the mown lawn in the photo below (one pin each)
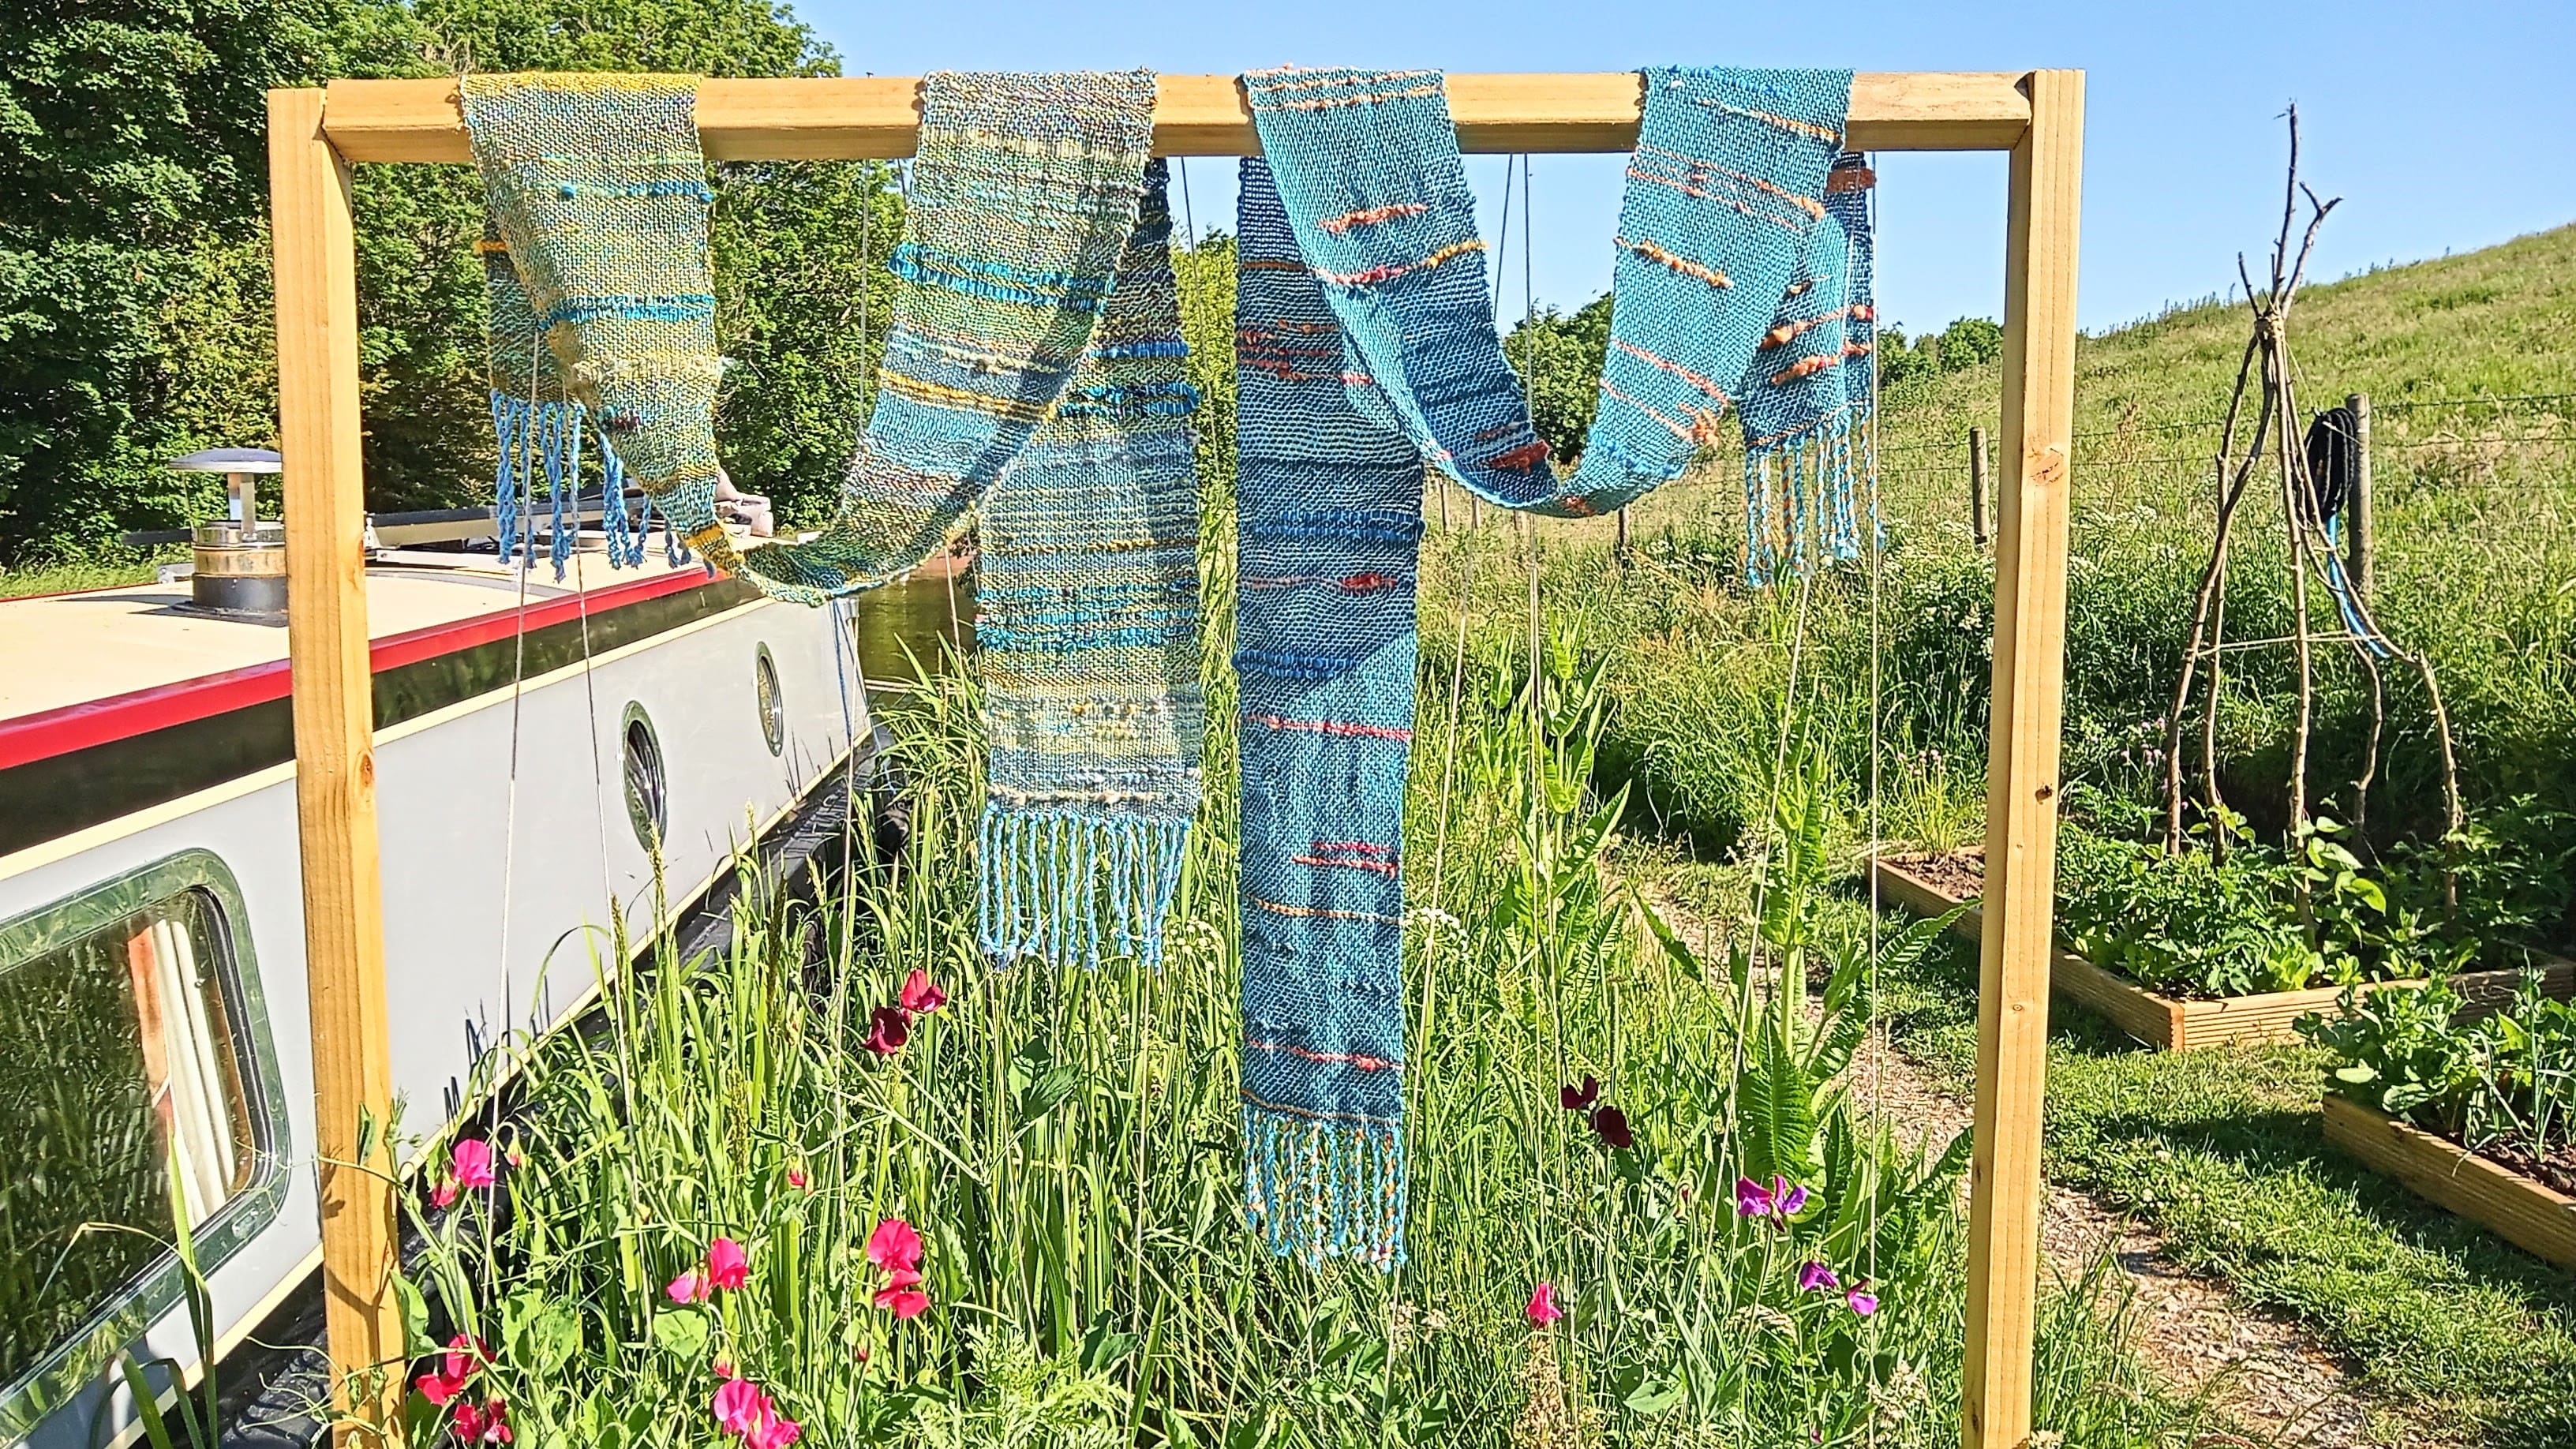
(2222, 1151)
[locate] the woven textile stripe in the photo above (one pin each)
(1025, 192)
(1329, 518)
(599, 203)
(1088, 635)
(1724, 189)
(1366, 163)
(1808, 397)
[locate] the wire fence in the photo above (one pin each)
(2098, 457)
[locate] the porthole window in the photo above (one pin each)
(137, 1097)
(773, 704)
(648, 786)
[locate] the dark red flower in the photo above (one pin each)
(1612, 1124)
(889, 1027)
(1580, 1099)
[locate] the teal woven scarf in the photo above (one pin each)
(1366, 346)
(1024, 197)
(598, 243)
(1087, 626)
(1034, 367)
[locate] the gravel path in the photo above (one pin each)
(2260, 1372)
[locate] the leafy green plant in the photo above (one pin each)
(2503, 1078)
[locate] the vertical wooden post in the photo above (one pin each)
(1977, 485)
(1622, 546)
(2022, 759)
(2362, 556)
(335, 768)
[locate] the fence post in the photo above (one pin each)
(335, 769)
(1623, 538)
(2362, 556)
(1977, 484)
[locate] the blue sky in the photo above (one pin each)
(2443, 126)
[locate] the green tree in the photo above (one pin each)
(132, 173)
(134, 278)
(1560, 358)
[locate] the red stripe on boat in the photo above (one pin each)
(93, 722)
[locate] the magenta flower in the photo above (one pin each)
(919, 994)
(796, 1176)
(489, 1425)
(1779, 1202)
(728, 1266)
(690, 1287)
(1862, 1301)
(439, 1388)
(1813, 1275)
(471, 1163)
(902, 1295)
(896, 1249)
(739, 1404)
(1542, 1308)
(894, 1246)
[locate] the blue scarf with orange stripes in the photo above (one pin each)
(1366, 348)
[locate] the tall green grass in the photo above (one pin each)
(1067, 1145)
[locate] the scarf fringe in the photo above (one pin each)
(1802, 499)
(1070, 887)
(542, 440)
(1317, 1190)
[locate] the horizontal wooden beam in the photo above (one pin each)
(850, 117)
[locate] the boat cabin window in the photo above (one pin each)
(121, 1105)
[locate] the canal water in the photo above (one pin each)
(901, 629)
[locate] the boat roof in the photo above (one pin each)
(71, 662)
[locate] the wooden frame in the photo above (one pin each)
(2174, 1025)
(2530, 1215)
(2038, 117)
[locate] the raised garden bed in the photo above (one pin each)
(1933, 885)
(2520, 1209)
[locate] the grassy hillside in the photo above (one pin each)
(2477, 566)
(2477, 545)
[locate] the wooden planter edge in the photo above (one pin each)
(2172, 1025)
(2531, 1215)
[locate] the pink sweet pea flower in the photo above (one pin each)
(728, 1266)
(777, 1431)
(740, 1405)
(464, 1355)
(919, 994)
(470, 1162)
(904, 1300)
(889, 1027)
(1779, 1202)
(690, 1287)
(1542, 1308)
(489, 1425)
(724, 1368)
(1862, 1301)
(443, 1195)
(894, 1246)
(796, 1176)
(1813, 1275)
(439, 1388)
